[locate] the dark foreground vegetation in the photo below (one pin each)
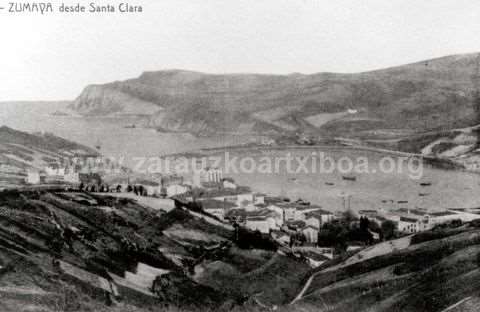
(102, 238)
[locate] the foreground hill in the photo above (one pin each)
(74, 251)
(386, 103)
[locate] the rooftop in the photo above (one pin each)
(410, 220)
(315, 256)
(203, 193)
(250, 214)
(215, 204)
(411, 211)
(259, 218)
(276, 199)
(296, 223)
(308, 207)
(146, 182)
(442, 213)
(279, 233)
(260, 194)
(317, 213)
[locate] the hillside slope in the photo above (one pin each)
(430, 94)
(20, 151)
(439, 269)
(76, 251)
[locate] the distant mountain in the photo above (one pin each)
(432, 94)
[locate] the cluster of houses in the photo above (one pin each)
(276, 216)
(156, 186)
(173, 185)
(416, 220)
(283, 219)
(53, 174)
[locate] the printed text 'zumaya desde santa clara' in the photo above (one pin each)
(71, 8)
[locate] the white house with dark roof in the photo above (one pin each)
(311, 233)
(315, 259)
(301, 210)
(279, 212)
(176, 189)
(261, 223)
(227, 183)
(259, 198)
(318, 218)
(216, 207)
(289, 210)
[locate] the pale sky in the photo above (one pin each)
(53, 57)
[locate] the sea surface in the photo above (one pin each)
(373, 190)
(111, 134)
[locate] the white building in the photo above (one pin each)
(229, 184)
(408, 225)
(261, 223)
(152, 189)
(259, 198)
(311, 233)
(54, 171)
(289, 211)
(280, 219)
(72, 177)
(33, 177)
(176, 189)
(216, 207)
(318, 218)
(206, 175)
(242, 199)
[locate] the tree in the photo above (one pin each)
(388, 229)
(364, 222)
(349, 216)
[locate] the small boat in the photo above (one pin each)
(349, 178)
(423, 194)
(329, 183)
(402, 201)
(425, 183)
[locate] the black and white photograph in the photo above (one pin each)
(237, 156)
